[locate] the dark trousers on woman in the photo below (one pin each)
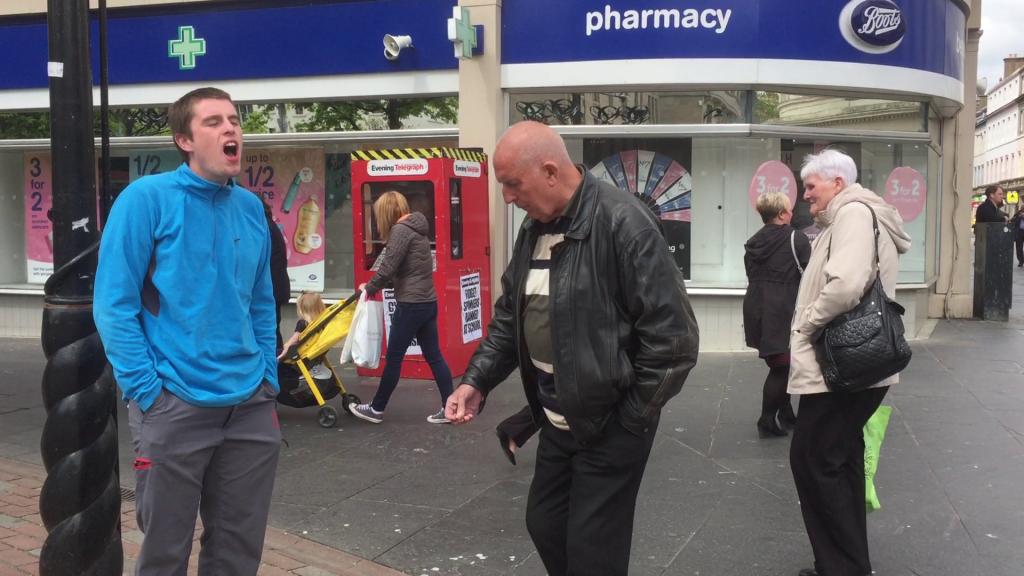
(582, 499)
(1020, 249)
(827, 457)
(413, 321)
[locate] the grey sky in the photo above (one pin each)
(1002, 22)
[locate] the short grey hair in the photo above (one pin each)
(829, 164)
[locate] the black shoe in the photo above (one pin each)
(504, 439)
(767, 428)
(808, 572)
(787, 419)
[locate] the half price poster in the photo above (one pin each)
(292, 181)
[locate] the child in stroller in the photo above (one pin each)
(294, 388)
(317, 332)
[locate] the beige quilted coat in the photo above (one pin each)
(833, 284)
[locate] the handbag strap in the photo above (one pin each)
(874, 226)
(792, 246)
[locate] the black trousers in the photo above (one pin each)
(1020, 248)
(580, 510)
(827, 457)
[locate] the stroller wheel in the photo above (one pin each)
(327, 416)
(352, 399)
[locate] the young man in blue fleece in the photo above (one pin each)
(185, 307)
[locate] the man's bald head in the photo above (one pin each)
(532, 143)
(534, 168)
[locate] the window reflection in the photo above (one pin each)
(838, 112)
(618, 108)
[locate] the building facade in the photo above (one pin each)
(695, 110)
(999, 132)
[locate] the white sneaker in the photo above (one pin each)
(438, 418)
(320, 372)
(364, 412)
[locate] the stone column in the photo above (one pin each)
(482, 119)
(952, 297)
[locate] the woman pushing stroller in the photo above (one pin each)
(408, 265)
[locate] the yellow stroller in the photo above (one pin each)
(298, 388)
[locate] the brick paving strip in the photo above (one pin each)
(22, 535)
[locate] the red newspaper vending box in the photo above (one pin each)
(449, 187)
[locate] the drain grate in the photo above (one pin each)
(127, 494)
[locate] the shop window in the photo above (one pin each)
(13, 214)
(26, 234)
(319, 209)
(617, 108)
(701, 189)
(420, 196)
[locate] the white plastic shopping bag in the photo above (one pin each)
(363, 345)
(346, 350)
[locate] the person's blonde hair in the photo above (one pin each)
(310, 306)
(771, 205)
(387, 210)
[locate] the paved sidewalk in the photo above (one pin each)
(715, 500)
(22, 535)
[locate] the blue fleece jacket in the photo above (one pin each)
(184, 298)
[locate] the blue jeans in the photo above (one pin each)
(409, 321)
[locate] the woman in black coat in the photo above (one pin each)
(775, 259)
(278, 268)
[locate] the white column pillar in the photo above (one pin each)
(952, 297)
(482, 119)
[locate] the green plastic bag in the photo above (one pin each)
(874, 433)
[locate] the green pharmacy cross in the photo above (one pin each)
(462, 33)
(186, 48)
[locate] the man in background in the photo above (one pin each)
(989, 210)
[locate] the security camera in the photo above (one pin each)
(393, 45)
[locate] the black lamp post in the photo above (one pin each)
(80, 503)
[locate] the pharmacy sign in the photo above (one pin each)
(186, 48)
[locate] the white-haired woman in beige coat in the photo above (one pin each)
(827, 454)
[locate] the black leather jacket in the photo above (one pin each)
(622, 328)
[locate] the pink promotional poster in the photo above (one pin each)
(38, 230)
(292, 181)
(906, 190)
(773, 176)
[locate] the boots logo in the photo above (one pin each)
(873, 26)
(384, 168)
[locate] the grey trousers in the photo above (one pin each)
(220, 462)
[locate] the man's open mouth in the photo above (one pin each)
(231, 150)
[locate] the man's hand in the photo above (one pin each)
(463, 404)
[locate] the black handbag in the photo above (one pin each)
(867, 344)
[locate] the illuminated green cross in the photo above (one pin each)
(462, 33)
(186, 48)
